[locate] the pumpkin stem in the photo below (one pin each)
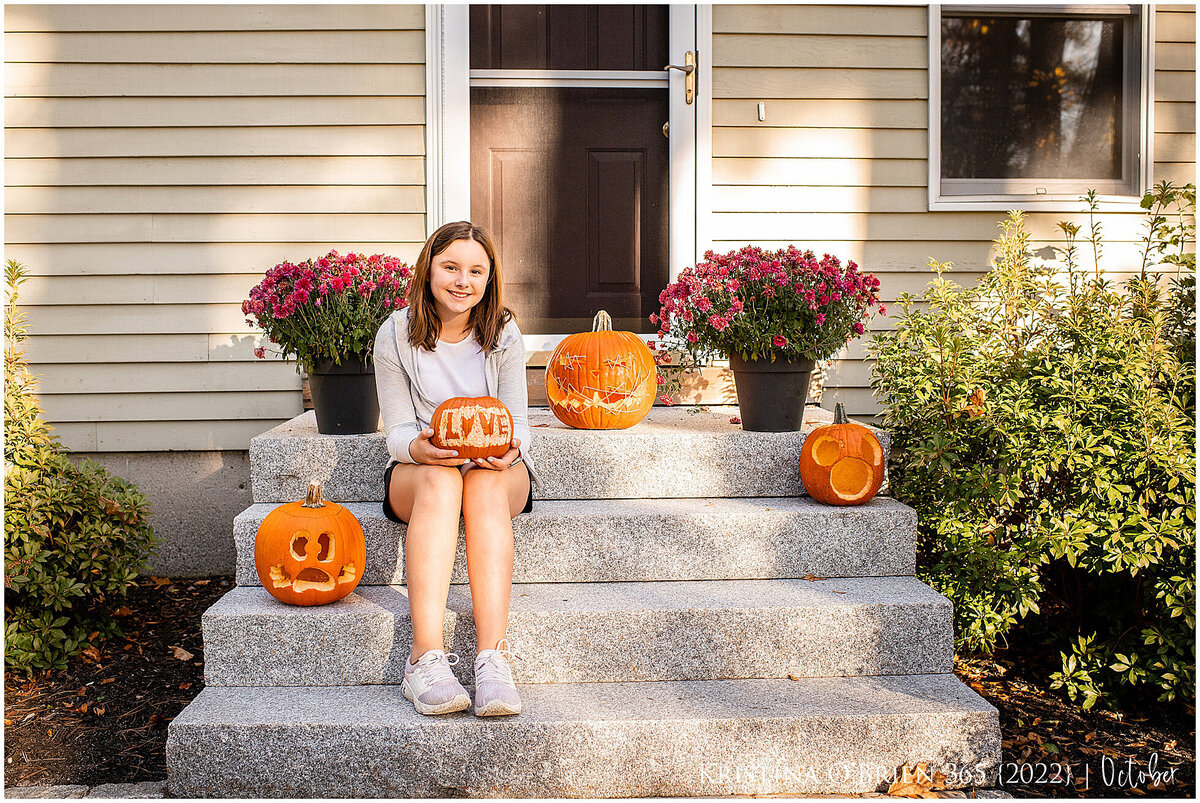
(839, 414)
(314, 496)
(602, 322)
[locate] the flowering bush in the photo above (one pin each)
(329, 308)
(766, 304)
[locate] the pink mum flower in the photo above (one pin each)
(779, 341)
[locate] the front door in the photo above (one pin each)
(570, 162)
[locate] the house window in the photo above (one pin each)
(1036, 105)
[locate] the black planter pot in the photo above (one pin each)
(344, 396)
(771, 395)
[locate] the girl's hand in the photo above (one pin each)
(423, 451)
(505, 460)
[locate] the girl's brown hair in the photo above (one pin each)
(488, 317)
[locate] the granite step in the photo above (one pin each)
(674, 453)
(658, 539)
(597, 632)
(668, 738)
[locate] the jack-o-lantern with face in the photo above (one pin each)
(601, 379)
(841, 463)
(310, 552)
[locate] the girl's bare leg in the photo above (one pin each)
(490, 500)
(430, 499)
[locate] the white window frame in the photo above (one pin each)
(1025, 193)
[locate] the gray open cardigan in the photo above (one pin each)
(407, 410)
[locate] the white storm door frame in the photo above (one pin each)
(448, 127)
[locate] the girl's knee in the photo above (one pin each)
(440, 482)
(482, 486)
(439, 476)
(486, 493)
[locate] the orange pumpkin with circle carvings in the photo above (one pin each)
(601, 379)
(310, 552)
(475, 427)
(841, 463)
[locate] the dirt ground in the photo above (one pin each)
(1052, 749)
(104, 719)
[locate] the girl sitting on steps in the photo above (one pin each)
(455, 338)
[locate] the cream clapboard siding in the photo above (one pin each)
(840, 163)
(160, 158)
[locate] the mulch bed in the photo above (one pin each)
(1052, 749)
(104, 719)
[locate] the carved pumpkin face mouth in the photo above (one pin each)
(307, 550)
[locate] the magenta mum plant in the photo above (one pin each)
(775, 305)
(327, 308)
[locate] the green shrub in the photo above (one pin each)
(75, 538)
(1043, 429)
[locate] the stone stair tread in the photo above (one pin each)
(582, 739)
(673, 452)
(595, 632)
(659, 539)
(752, 698)
(658, 595)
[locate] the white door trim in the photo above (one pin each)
(691, 155)
(448, 126)
(447, 116)
(682, 148)
(704, 132)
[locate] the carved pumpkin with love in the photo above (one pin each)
(310, 552)
(842, 463)
(475, 427)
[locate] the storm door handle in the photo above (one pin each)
(689, 78)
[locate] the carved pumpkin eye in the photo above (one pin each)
(325, 544)
(570, 362)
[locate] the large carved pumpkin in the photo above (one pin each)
(601, 379)
(475, 427)
(842, 463)
(310, 552)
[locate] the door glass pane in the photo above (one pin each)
(573, 182)
(553, 37)
(1037, 97)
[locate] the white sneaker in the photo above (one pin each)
(431, 684)
(495, 693)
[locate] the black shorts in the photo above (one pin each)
(391, 514)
